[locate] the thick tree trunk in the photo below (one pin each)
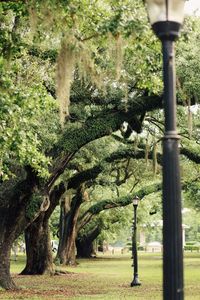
(66, 250)
(38, 248)
(8, 234)
(67, 247)
(37, 237)
(6, 281)
(85, 249)
(14, 196)
(68, 256)
(85, 244)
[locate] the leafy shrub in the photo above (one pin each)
(192, 246)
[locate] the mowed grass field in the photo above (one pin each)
(105, 277)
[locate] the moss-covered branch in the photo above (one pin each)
(191, 150)
(105, 123)
(122, 201)
(92, 173)
(76, 136)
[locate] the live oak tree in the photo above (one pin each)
(123, 155)
(27, 79)
(70, 205)
(70, 215)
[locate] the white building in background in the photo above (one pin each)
(155, 246)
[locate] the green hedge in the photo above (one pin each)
(192, 247)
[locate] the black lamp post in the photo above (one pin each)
(135, 281)
(166, 17)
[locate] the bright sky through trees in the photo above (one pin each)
(192, 6)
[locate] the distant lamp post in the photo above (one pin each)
(135, 281)
(166, 17)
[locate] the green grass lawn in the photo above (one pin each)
(106, 277)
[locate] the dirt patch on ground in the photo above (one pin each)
(45, 287)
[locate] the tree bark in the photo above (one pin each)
(14, 196)
(66, 250)
(38, 248)
(39, 259)
(6, 240)
(85, 244)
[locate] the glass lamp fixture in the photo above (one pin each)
(166, 17)
(136, 201)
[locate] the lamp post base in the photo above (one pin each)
(135, 281)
